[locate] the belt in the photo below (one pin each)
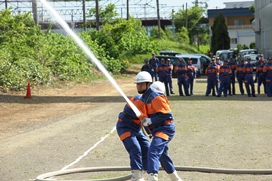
(248, 74)
(225, 76)
(137, 121)
(128, 116)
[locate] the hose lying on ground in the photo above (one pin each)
(46, 176)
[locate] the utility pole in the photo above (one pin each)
(34, 10)
(173, 26)
(159, 20)
(6, 4)
(97, 14)
(84, 15)
(127, 9)
(186, 25)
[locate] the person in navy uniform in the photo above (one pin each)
(249, 82)
(267, 70)
(240, 76)
(160, 122)
(170, 70)
(211, 73)
(224, 78)
(218, 65)
(154, 62)
(260, 78)
(163, 73)
(182, 77)
(232, 64)
(147, 67)
(134, 140)
(192, 75)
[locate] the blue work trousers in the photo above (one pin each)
(158, 150)
(261, 80)
(249, 82)
(182, 82)
(191, 85)
(232, 84)
(241, 86)
(136, 145)
(211, 82)
(224, 86)
(165, 80)
(269, 86)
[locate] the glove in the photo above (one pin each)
(146, 121)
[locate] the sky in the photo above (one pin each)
(138, 8)
(212, 4)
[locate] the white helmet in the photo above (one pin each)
(143, 76)
(158, 86)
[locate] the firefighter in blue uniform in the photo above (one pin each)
(182, 77)
(249, 82)
(240, 76)
(147, 67)
(268, 77)
(159, 121)
(232, 64)
(170, 71)
(154, 62)
(218, 65)
(136, 143)
(192, 75)
(163, 73)
(211, 73)
(224, 78)
(260, 78)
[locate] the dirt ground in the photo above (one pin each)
(47, 103)
(230, 132)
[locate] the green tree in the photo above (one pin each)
(194, 17)
(154, 33)
(107, 15)
(182, 35)
(252, 9)
(220, 36)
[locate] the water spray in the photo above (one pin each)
(90, 54)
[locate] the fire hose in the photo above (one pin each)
(48, 176)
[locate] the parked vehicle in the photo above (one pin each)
(174, 61)
(254, 59)
(169, 53)
(224, 54)
(244, 52)
(200, 61)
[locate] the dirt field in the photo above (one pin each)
(233, 132)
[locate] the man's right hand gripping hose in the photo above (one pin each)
(145, 122)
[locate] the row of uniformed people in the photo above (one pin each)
(222, 77)
(185, 75)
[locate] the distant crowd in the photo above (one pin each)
(221, 78)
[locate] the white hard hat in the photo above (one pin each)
(143, 76)
(158, 86)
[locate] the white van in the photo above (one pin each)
(224, 54)
(200, 61)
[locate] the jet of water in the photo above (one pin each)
(89, 53)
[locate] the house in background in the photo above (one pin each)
(262, 26)
(237, 16)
